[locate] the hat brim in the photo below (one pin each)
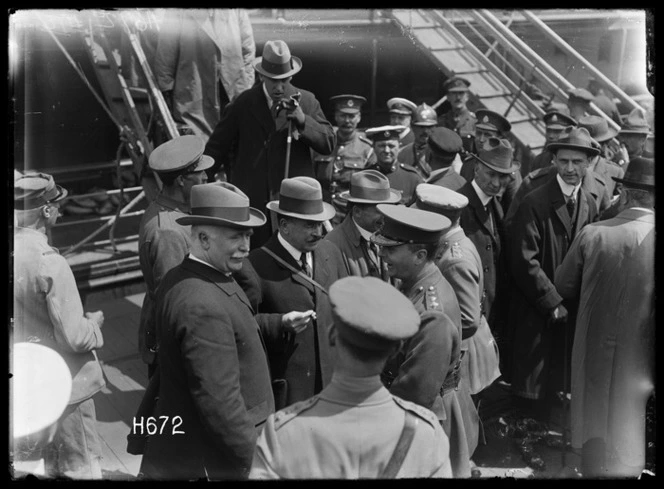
(256, 219)
(644, 132)
(507, 171)
(327, 214)
(588, 149)
(610, 134)
(395, 196)
(62, 194)
(631, 184)
(297, 66)
(205, 163)
(458, 89)
(381, 240)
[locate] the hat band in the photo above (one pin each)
(648, 181)
(38, 201)
(299, 206)
(277, 68)
(235, 214)
(438, 210)
(365, 193)
(500, 165)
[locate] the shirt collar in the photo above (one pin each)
(484, 198)
(192, 257)
(363, 232)
(267, 96)
(294, 252)
(567, 189)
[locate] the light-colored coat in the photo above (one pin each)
(356, 257)
(191, 60)
(610, 267)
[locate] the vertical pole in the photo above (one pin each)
(374, 71)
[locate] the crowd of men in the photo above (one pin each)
(323, 302)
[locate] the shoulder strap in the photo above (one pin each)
(401, 450)
(294, 270)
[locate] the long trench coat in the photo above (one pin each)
(611, 267)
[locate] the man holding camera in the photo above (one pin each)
(268, 132)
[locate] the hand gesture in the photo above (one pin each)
(296, 321)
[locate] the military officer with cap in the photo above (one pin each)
(351, 152)
(353, 428)
(556, 124)
(415, 153)
(368, 188)
(48, 310)
(162, 242)
(579, 102)
(459, 119)
(445, 147)
(426, 367)
(386, 148)
(401, 114)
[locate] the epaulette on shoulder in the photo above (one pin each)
(455, 250)
(420, 411)
(366, 140)
(408, 167)
(431, 301)
(285, 415)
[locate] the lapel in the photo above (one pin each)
(557, 200)
(274, 245)
(228, 285)
(321, 269)
(481, 215)
(583, 210)
(355, 239)
(260, 111)
(202, 18)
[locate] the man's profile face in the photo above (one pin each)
(367, 217)
(399, 260)
(400, 120)
(276, 88)
(228, 247)
(491, 182)
(458, 100)
(386, 152)
(482, 135)
(193, 178)
(347, 123)
(571, 164)
(553, 134)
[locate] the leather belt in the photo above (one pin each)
(451, 382)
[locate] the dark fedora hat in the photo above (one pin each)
(277, 62)
(498, 155)
(598, 128)
(576, 138)
(370, 187)
(221, 204)
(640, 174)
(34, 190)
(302, 197)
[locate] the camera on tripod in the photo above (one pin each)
(288, 103)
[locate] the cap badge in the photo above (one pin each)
(350, 103)
(486, 119)
(554, 118)
(387, 134)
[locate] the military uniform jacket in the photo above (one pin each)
(462, 123)
(430, 360)
(541, 233)
(610, 268)
(162, 245)
(402, 177)
(446, 177)
(308, 368)
(489, 244)
(357, 259)
(48, 310)
(214, 377)
(349, 431)
(416, 157)
(347, 158)
(408, 138)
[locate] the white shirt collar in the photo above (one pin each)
(567, 189)
(294, 252)
(404, 133)
(363, 232)
(484, 198)
(267, 96)
(192, 257)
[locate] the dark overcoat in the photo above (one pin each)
(215, 380)
(541, 233)
(356, 257)
(309, 368)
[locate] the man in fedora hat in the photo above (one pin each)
(415, 153)
(482, 221)
(386, 149)
(294, 268)
(351, 152)
(578, 102)
(541, 231)
(264, 125)
(633, 135)
(215, 391)
(459, 119)
(401, 114)
(556, 123)
(48, 309)
(610, 270)
(425, 369)
(368, 188)
(600, 131)
(352, 429)
(444, 149)
(162, 242)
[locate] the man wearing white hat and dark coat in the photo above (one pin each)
(250, 143)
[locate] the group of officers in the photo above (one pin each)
(402, 271)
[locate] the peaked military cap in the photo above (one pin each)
(435, 198)
(582, 94)
(558, 120)
(456, 84)
(445, 142)
(384, 133)
(34, 190)
(493, 121)
(371, 314)
(405, 225)
(349, 104)
(398, 105)
(179, 154)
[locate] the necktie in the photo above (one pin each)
(491, 223)
(571, 206)
(304, 265)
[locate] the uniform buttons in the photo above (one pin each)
(431, 287)
(420, 289)
(341, 147)
(338, 157)
(486, 269)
